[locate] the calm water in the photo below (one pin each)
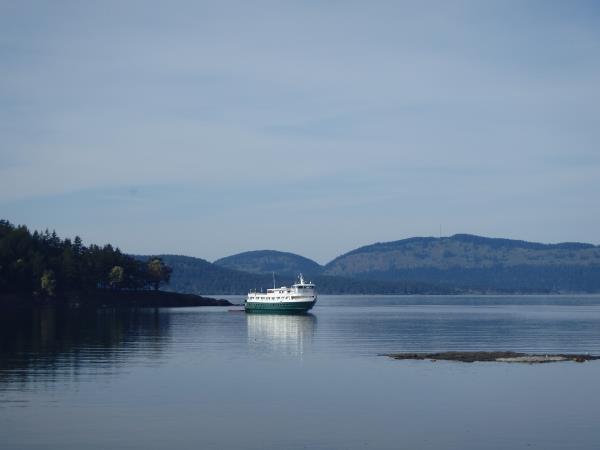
(206, 378)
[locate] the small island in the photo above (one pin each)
(499, 356)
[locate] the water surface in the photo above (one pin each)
(209, 378)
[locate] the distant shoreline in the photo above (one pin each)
(139, 299)
(553, 294)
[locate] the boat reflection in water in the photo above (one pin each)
(289, 334)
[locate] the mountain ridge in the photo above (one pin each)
(461, 263)
(196, 275)
(476, 262)
(515, 243)
(464, 261)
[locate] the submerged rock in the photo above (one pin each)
(504, 356)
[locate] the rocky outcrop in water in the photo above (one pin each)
(505, 356)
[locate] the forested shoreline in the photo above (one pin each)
(41, 266)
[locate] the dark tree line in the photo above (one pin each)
(42, 264)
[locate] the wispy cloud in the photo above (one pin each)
(460, 112)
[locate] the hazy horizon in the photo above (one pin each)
(211, 129)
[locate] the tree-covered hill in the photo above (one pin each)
(195, 275)
(458, 264)
(268, 261)
(476, 263)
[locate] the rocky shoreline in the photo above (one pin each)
(505, 356)
(108, 298)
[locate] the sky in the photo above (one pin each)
(212, 128)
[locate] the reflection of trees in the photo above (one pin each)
(283, 333)
(62, 341)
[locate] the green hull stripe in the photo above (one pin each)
(283, 306)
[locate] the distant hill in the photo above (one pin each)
(268, 261)
(476, 263)
(198, 276)
(195, 275)
(422, 265)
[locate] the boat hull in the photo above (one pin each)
(283, 307)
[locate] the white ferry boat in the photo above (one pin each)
(299, 298)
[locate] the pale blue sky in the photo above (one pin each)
(313, 127)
